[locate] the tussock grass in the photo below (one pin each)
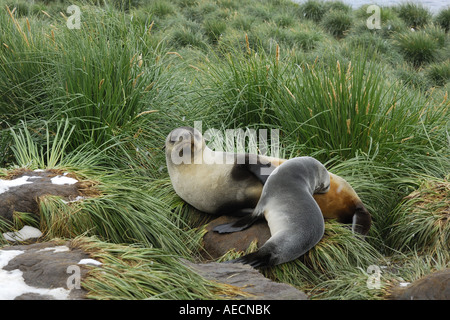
(313, 10)
(135, 273)
(443, 19)
(439, 73)
(421, 220)
(414, 15)
(337, 23)
(417, 47)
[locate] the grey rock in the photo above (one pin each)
(435, 286)
(44, 267)
(24, 198)
(248, 279)
(216, 245)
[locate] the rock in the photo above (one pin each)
(216, 244)
(42, 271)
(435, 286)
(248, 279)
(25, 234)
(22, 191)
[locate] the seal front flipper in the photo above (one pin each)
(238, 225)
(255, 259)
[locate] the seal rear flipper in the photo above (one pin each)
(255, 259)
(236, 226)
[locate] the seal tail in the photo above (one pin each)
(238, 225)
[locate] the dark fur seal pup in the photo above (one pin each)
(295, 221)
(217, 183)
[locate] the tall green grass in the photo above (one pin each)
(136, 273)
(98, 77)
(420, 221)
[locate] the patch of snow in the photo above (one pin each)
(6, 184)
(63, 180)
(56, 249)
(13, 283)
(404, 284)
(23, 234)
(78, 198)
(8, 255)
(90, 261)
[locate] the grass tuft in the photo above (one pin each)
(421, 220)
(337, 23)
(136, 273)
(414, 15)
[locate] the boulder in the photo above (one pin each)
(435, 286)
(42, 271)
(21, 191)
(216, 244)
(248, 279)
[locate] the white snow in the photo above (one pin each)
(13, 283)
(78, 198)
(63, 180)
(56, 249)
(90, 261)
(6, 184)
(404, 284)
(8, 255)
(39, 170)
(23, 234)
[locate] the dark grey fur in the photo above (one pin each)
(295, 220)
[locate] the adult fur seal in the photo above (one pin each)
(213, 182)
(227, 183)
(295, 220)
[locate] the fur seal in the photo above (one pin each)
(295, 220)
(217, 183)
(212, 182)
